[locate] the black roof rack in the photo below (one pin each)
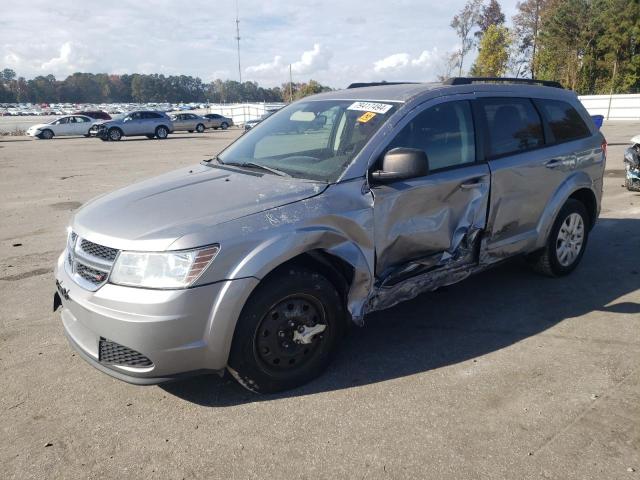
(376, 84)
(526, 81)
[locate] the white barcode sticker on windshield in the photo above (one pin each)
(370, 107)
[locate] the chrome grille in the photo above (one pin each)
(113, 353)
(98, 250)
(88, 263)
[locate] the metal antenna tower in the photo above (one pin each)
(238, 40)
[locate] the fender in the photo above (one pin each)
(571, 184)
(279, 249)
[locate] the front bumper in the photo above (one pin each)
(182, 332)
(98, 131)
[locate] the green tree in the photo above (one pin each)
(490, 14)
(493, 56)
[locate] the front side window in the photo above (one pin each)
(565, 122)
(62, 121)
(444, 132)
(315, 140)
(513, 123)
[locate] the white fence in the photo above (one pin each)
(243, 112)
(613, 107)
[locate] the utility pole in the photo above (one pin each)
(238, 40)
(290, 85)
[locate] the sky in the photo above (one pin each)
(335, 42)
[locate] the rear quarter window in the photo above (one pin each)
(513, 124)
(565, 123)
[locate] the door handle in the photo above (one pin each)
(473, 183)
(553, 163)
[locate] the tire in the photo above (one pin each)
(114, 134)
(567, 241)
(224, 125)
(46, 134)
(268, 354)
(199, 128)
(162, 132)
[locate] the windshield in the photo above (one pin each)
(315, 140)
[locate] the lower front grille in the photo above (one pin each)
(113, 353)
(91, 274)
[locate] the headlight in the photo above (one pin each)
(162, 270)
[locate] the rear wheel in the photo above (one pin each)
(567, 241)
(162, 132)
(287, 332)
(199, 128)
(46, 134)
(114, 134)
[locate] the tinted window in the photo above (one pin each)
(514, 125)
(564, 121)
(150, 115)
(444, 132)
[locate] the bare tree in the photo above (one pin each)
(463, 23)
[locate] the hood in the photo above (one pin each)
(635, 140)
(38, 126)
(151, 215)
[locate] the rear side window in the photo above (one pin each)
(445, 133)
(564, 121)
(513, 123)
(150, 115)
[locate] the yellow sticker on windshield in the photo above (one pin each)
(365, 117)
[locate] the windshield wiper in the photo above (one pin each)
(263, 167)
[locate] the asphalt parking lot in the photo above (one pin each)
(505, 375)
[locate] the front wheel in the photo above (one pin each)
(224, 125)
(162, 132)
(46, 134)
(287, 331)
(567, 241)
(199, 128)
(114, 134)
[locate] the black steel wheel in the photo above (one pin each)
(287, 332)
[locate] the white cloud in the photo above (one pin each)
(397, 60)
(403, 61)
(268, 67)
(312, 61)
(61, 61)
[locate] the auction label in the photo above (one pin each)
(370, 107)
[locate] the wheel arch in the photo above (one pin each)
(577, 186)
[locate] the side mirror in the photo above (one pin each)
(402, 164)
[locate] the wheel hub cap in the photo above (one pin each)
(570, 239)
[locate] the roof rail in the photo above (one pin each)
(526, 81)
(376, 84)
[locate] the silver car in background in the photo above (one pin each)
(151, 124)
(219, 121)
(190, 122)
(338, 205)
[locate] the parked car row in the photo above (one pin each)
(149, 123)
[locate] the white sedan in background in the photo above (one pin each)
(65, 126)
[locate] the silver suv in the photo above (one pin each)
(142, 123)
(338, 205)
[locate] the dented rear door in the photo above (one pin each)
(433, 222)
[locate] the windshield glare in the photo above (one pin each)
(315, 140)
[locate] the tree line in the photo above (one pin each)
(109, 88)
(590, 46)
